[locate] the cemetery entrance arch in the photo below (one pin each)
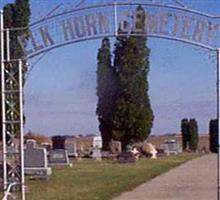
(173, 22)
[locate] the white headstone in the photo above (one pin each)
(97, 142)
(96, 154)
(136, 153)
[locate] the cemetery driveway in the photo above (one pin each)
(194, 180)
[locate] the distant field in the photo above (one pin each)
(91, 180)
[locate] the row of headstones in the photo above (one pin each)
(37, 161)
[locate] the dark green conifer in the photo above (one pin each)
(106, 77)
(133, 117)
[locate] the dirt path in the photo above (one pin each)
(194, 180)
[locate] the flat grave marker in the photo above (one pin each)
(126, 158)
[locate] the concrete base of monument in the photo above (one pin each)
(38, 173)
(60, 164)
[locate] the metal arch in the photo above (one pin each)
(114, 6)
(183, 41)
(118, 4)
(80, 3)
(113, 35)
(128, 4)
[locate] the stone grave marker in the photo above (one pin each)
(96, 150)
(171, 147)
(97, 142)
(58, 142)
(148, 149)
(59, 157)
(115, 147)
(126, 158)
(96, 154)
(71, 149)
(35, 160)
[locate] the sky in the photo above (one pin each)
(60, 92)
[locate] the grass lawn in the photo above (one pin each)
(91, 180)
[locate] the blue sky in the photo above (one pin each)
(60, 93)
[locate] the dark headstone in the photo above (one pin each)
(126, 158)
(58, 142)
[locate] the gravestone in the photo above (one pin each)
(96, 150)
(35, 160)
(171, 147)
(58, 142)
(71, 149)
(149, 150)
(115, 147)
(59, 157)
(97, 142)
(135, 152)
(96, 154)
(126, 158)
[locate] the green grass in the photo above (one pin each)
(91, 180)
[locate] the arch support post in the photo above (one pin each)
(11, 119)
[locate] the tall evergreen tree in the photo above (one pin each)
(133, 117)
(105, 92)
(17, 15)
(194, 135)
(185, 133)
(213, 135)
